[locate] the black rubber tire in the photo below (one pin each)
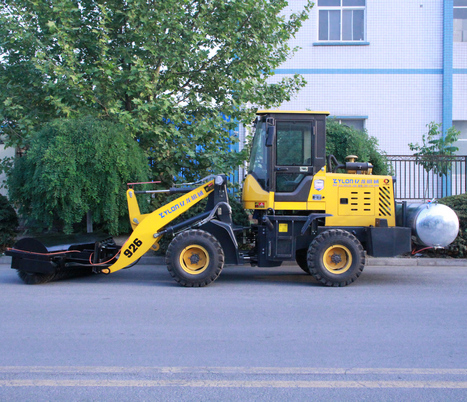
(33, 278)
(206, 256)
(346, 248)
(302, 260)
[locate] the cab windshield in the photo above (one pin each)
(258, 161)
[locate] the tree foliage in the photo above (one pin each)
(342, 141)
(74, 166)
(170, 70)
(8, 223)
(435, 146)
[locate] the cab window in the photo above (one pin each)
(293, 144)
(258, 158)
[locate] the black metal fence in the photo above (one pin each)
(431, 177)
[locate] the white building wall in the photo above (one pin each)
(400, 33)
(396, 119)
(395, 80)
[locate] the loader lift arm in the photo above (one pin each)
(148, 228)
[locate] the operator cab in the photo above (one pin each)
(288, 149)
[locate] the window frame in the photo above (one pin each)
(457, 7)
(344, 119)
(341, 8)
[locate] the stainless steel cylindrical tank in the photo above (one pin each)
(432, 224)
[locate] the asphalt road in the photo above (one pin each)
(398, 333)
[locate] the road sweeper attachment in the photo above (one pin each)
(40, 260)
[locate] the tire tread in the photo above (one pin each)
(315, 249)
(178, 242)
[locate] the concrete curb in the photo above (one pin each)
(418, 262)
(370, 261)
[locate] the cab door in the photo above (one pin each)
(292, 161)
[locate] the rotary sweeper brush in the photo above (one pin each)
(307, 208)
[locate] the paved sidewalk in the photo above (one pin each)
(149, 259)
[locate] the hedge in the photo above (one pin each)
(458, 248)
(8, 223)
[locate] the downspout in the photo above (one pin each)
(448, 27)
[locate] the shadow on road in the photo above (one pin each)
(149, 275)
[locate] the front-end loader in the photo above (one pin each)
(306, 207)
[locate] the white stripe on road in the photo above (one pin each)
(341, 373)
(234, 384)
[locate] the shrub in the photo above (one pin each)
(458, 248)
(8, 223)
(73, 166)
(342, 141)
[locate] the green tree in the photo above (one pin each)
(435, 147)
(342, 141)
(8, 223)
(74, 166)
(170, 70)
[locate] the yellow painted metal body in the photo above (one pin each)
(254, 197)
(351, 199)
(369, 197)
(145, 226)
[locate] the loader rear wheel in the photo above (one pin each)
(34, 278)
(195, 258)
(336, 258)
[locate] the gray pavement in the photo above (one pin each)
(398, 333)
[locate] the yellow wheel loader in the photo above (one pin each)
(306, 207)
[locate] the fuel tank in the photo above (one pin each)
(433, 225)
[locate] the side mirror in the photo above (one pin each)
(271, 132)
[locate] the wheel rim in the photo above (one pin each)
(337, 259)
(194, 259)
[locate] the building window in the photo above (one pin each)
(341, 20)
(354, 122)
(460, 20)
(461, 143)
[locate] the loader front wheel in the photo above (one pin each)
(195, 258)
(336, 258)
